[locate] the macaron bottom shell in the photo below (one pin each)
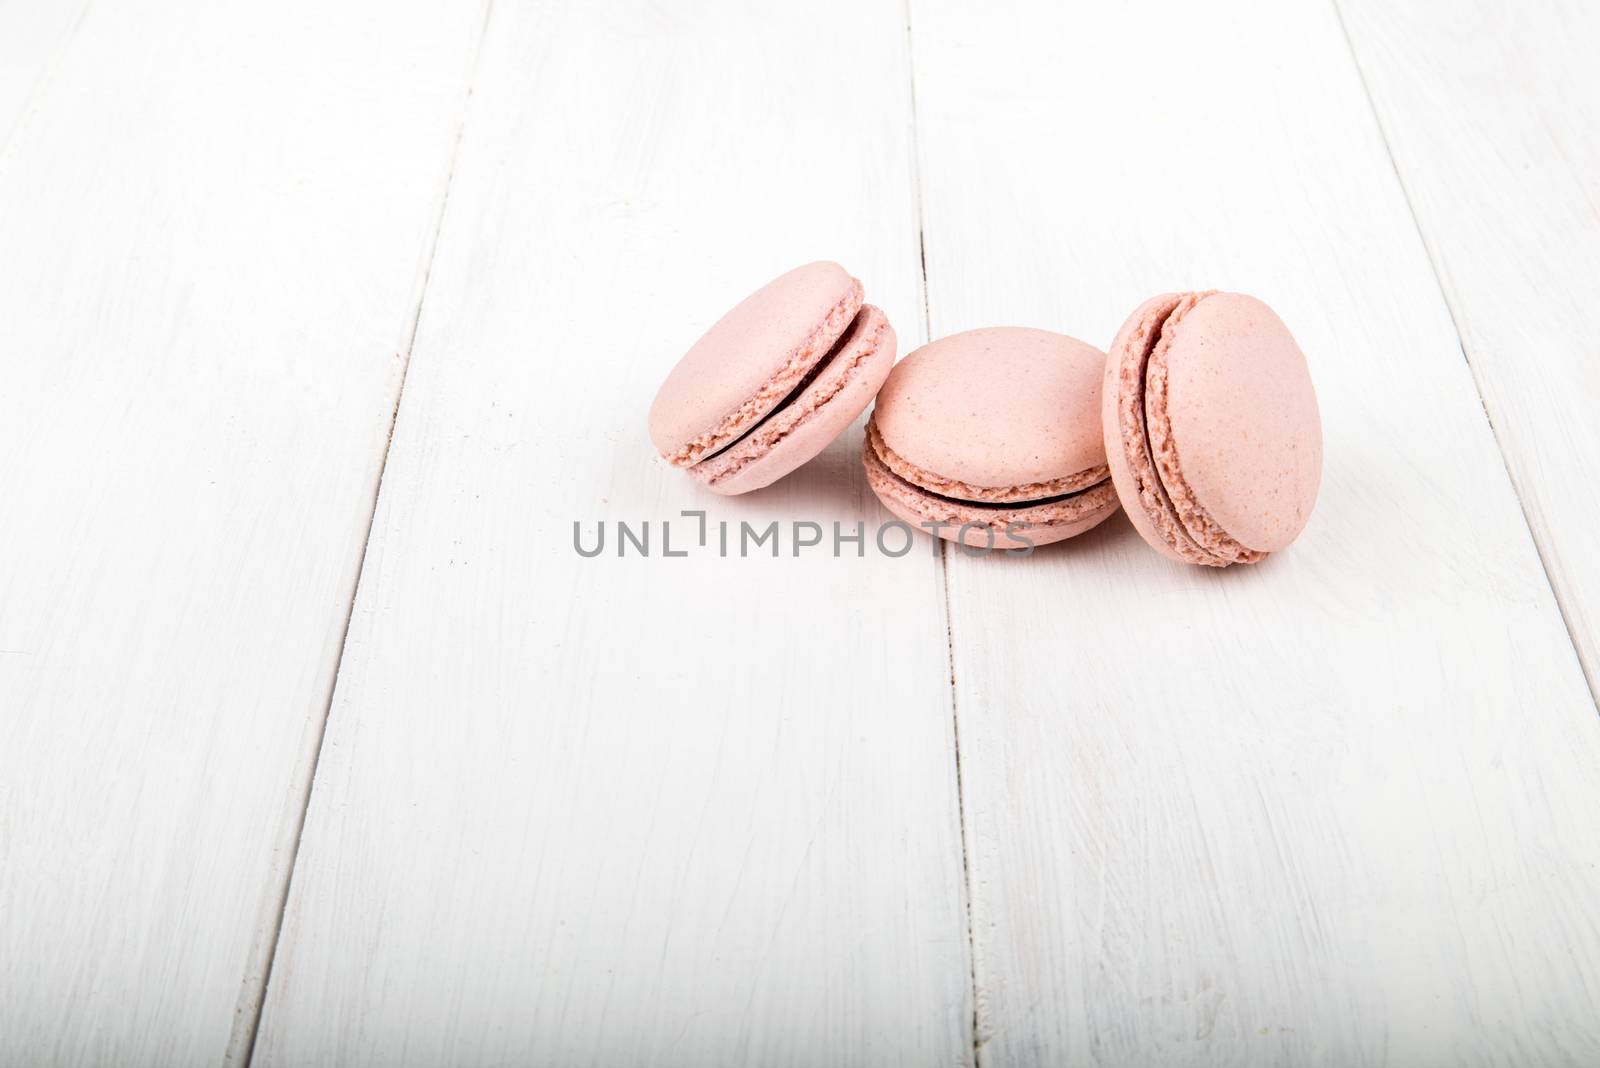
(1016, 525)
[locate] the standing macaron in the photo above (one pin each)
(774, 381)
(1211, 428)
(992, 438)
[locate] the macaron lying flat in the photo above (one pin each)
(774, 380)
(1212, 429)
(993, 429)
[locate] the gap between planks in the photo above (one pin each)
(1539, 547)
(973, 1022)
(253, 990)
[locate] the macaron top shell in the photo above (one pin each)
(1241, 424)
(1211, 428)
(751, 359)
(998, 414)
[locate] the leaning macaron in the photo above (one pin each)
(774, 381)
(1211, 428)
(992, 438)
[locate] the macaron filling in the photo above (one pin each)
(922, 496)
(812, 351)
(1151, 451)
(858, 344)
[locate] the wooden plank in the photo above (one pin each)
(1335, 809)
(1493, 118)
(688, 811)
(215, 224)
(33, 38)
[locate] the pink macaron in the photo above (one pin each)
(992, 438)
(1211, 428)
(774, 381)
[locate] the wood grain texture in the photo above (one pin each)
(628, 811)
(1335, 809)
(215, 220)
(1493, 118)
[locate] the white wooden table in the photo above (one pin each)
(321, 324)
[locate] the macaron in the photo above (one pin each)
(1212, 429)
(992, 438)
(774, 381)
